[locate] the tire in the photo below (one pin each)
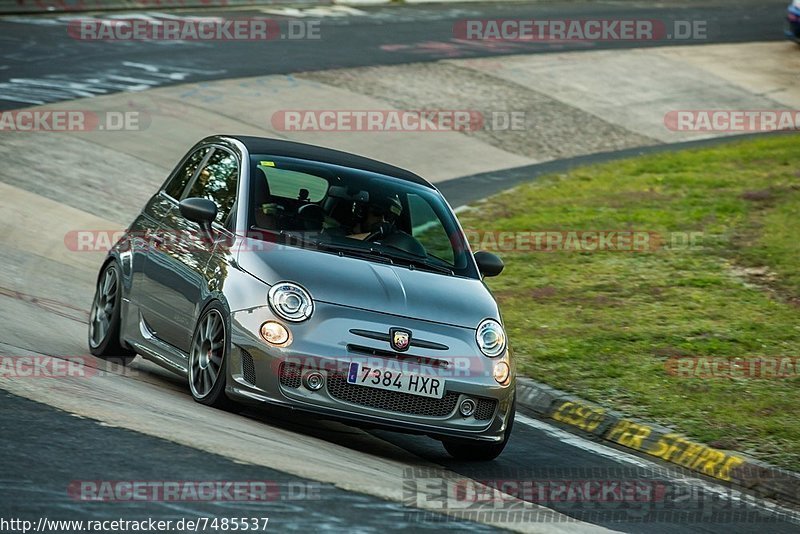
(479, 451)
(208, 358)
(104, 318)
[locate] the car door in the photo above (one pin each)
(176, 270)
(144, 232)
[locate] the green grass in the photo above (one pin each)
(603, 324)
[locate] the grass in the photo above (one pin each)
(604, 324)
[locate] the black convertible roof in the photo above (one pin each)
(290, 149)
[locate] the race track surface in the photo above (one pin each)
(140, 423)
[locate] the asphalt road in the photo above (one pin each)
(70, 449)
(41, 63)
(163, 435)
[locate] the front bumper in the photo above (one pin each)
(262, 373)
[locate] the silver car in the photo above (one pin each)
(267, 271)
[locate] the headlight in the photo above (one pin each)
(290, 301)
(491, 338)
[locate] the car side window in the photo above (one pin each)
(178, 182)
(217, 181)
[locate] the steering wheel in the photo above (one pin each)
(383, 229)
(312, 216)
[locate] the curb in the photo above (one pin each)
(657, 441)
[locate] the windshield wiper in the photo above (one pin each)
(376, 253)
(345, 250)
(422, 264)
(416, 261)
(372, 253)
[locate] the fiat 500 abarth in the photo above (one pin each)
(267, 271)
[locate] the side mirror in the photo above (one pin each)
(199, 210)
(488, 263)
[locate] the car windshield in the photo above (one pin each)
(356, 213)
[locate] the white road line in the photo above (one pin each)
(317, 11)
(129, 77)
(611, 453)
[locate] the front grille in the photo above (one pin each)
(290, 375)
(248, 367)
(391, 401)
(421, 360)
(384, 336)
(485, 409)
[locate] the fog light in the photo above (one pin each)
(314, 381)
(275, 333)
(467, 407)
(501, 372)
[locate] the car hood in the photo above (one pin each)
(384, 288)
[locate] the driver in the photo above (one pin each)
(379, 218)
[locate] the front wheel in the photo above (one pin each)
(104, 318)
(477, 451)
(208, 359)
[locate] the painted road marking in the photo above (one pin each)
(583, 416)
(671, 447)
(317, 11)
(605, 451)
(152, 17)
(698, 457)
(128, 77)
(629, 434)
(641, 437)
(155, 16)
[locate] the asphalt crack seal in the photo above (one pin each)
(53, 306)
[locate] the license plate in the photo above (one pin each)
(393, 380)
